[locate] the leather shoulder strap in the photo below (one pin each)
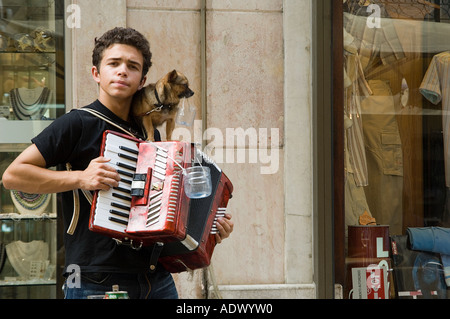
(106, 119)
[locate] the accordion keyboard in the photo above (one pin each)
(113, 206)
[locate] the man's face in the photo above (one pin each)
(120, 74)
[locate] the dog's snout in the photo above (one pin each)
(187, 93)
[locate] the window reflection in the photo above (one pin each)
(397, 158)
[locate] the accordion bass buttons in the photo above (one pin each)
(221, 211)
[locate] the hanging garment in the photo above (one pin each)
(384, 157)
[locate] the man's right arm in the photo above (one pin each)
(28, 173)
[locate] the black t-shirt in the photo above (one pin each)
(76, 138)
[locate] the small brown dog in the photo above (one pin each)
(158, 102)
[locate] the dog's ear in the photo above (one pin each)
(173, 76)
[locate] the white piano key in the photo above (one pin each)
(102, 220)
(115, 159)
(105, 201)
(105, 219)
(112, 139)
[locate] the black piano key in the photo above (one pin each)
(136, 152)
(117, 220)
(123, 190)
(120, 206)
(117, 213)
(125, 173)
(131, 158)
(126, 181)
(127, 198)
(128, 167)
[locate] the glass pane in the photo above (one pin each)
(31, 66)
(31, 96)
(397, 159)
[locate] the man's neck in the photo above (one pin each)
(121, 108)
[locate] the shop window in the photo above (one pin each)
(396, 110)
(31, 96)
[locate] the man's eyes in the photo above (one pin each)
(130, 66)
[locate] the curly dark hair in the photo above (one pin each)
(127, 36)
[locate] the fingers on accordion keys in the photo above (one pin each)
(221, 211)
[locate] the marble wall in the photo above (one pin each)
(257, 124)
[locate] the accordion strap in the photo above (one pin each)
(76, 205)
(106, 119)
(156, 251)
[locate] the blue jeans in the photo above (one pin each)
(157, 285)
(431, 239)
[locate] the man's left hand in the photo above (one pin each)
(225, 226)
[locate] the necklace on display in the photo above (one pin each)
(25, 104)
(22, 255)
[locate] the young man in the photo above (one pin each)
(121, 60)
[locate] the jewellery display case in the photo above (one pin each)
(31, 96)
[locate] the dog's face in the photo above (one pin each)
(173, 87)
(158, 103)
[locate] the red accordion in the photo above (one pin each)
(150, 206)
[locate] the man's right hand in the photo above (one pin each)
(99, 175)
